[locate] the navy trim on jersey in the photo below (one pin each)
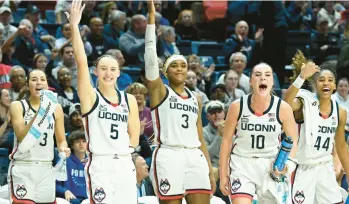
(241, 105)
(162, 101)
(126, 99)
(93, 107)
(337, 112)
(278, 111)
(330, 112)
(23, 111)
(106, 100)
(249, 99)
(30, 106)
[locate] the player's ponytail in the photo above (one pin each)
(297, 62)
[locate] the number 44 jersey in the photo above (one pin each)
(175, 120)
(258, 135)
(106, 126)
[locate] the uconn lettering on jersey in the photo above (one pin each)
(112, 116)
(258, 127)
(185, 107)
(325, 129)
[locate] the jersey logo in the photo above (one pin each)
(271, 119)
(235, 185)
(173, 99)
(244, 120)
(124, 106)
(102, 107)
(99, 194)
(270, 115)
(299, 197)
(164, 186)
(21, 191)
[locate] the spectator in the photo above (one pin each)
(67, 95)
(4, 74)
(158, 8)
(299, 16)
(75, 119)
(116, 26)
(140, 92)
(219, 93)
(107, 10)
(343, 62)
(213, 132)
(231, 81)
(168, 38)
(68, 61)
(185, 27)
(324, 46)
(26, 44)
(6, 129)
(17, 78)
(331, 15)
(191, 83)
(61, 7)
(144, 185)
(341, 96)
(237, 62)
(40, 62)
(100, 43)
(88, 12)
(5, 18)
(74, 189)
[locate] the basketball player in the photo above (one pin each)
(181, 164)
(111, 123)
(31, 178)
(257, 121)
(314, 177)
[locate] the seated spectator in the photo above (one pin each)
(342, 96)
(168, 38)
(343, 62)
(61, 7)
(132, 42)
(185, 27)
(17, 78)
(237, 62)
(74, 189)
(324, 46)
(115, 26)
(140, 92)
(330, 14)
(144, 185)
(4, 74)
(6, 129)
(299, 16)
(158, 8)
(68, 61)
(231, 81)
(26, 44)
(40, 61)
(124, 80)
(67, 95)
(5, 19)
(75, 119)
(100, 43)
(88, 13)
(213, 132)
(191, 83)
(219, 93)
(107, 10)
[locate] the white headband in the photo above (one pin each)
(171, 59)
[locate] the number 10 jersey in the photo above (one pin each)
(175, 120)
(258, 136)
(106, 126)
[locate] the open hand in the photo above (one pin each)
(75, 12)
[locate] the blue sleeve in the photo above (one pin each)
(124, 81)
(110, 43)
(130, 46)
(60, 188)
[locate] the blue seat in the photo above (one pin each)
(50, 16)
(195, 46)
(184, 46)
(134, 72)
(213, 50)
(206, 60)
(297, 40)
(221, 59)
(4, 165)
(18, 15)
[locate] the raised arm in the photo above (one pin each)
(85, 89)
(227, 142)
(290, 96)
(156, 87)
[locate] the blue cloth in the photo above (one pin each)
(124, 80)
(164, 21)
(294, 18)
(40, 31)
(76, 179)
(100, 45)
(113, 34)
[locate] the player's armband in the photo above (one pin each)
(150, 55)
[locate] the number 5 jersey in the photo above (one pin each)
(175, 120)
(106, 126)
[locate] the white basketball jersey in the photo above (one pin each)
(258, 135)
(106, 126)
(322, 147)
(43, 150)
(175, 118)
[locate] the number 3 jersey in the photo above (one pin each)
(43, 150)
(106, 126)
(258, 135)
(322, 143)
(175, 119)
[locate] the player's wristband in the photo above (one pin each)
(291, 165)
(298, 83)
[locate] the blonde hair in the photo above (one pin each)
(180, 16)
(137, 87)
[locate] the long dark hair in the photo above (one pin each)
(25, 93)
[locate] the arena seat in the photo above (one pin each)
(213, 50)
(297, 40)
(195, 45)
(134, 72)
(50, 16)
(206, 60)
(184, 46)
(18, 15)
(221, 59)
